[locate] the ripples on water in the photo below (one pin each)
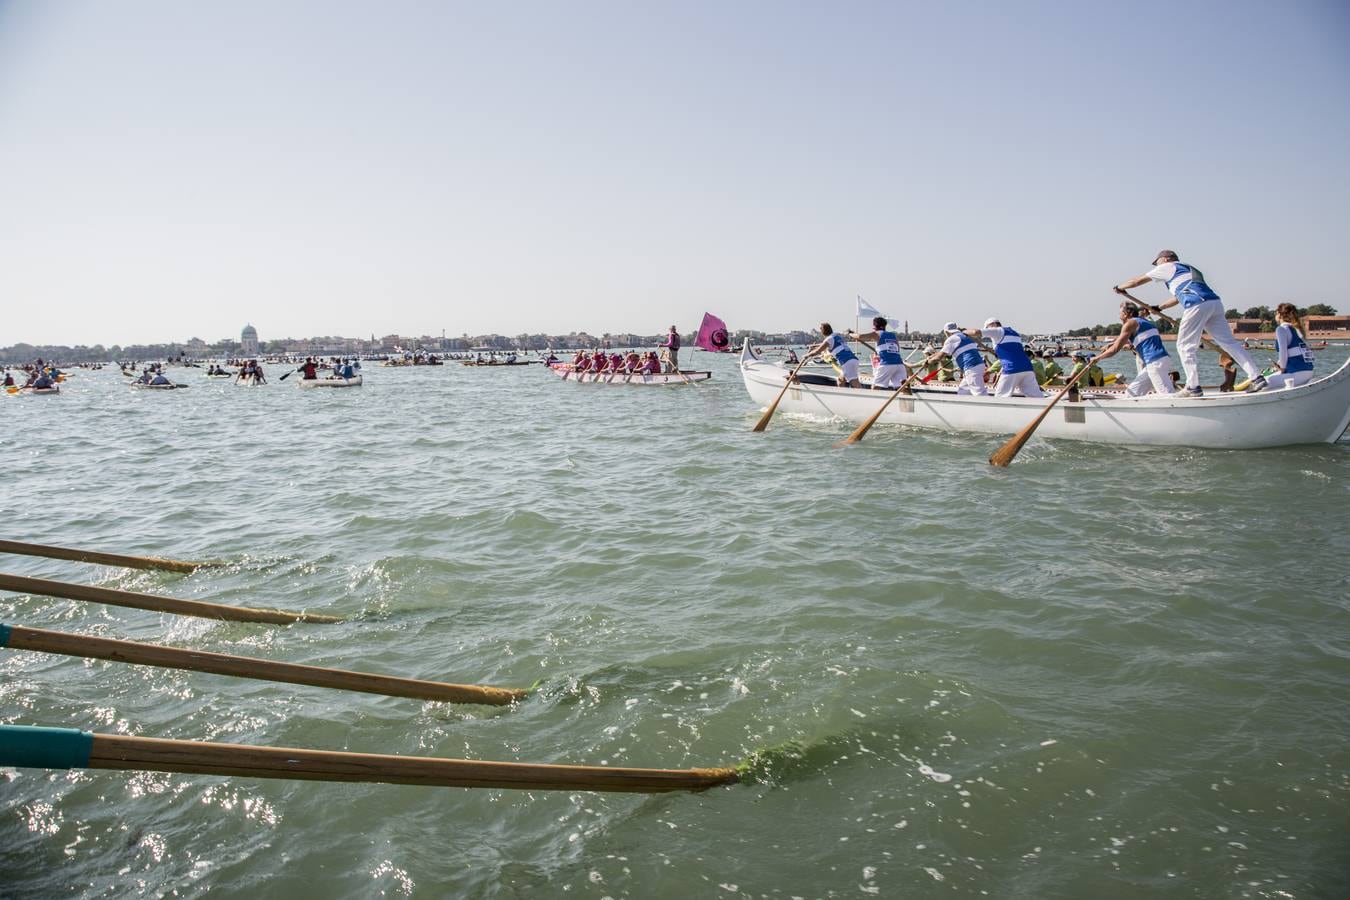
(1104, 672)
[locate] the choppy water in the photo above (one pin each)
(1104, 672)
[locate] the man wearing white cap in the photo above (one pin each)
(966, 352)
(1201, 311)
(1016, 376)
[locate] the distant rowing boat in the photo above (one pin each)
(171, 386)
(519, 362)
(354, 381)
(567, 373)
(1317, 412)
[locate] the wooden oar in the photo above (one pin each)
(155, 602)
(862, 429)
(103, 559)
(67, 748)
(20, 638)
(768, 413)
(1004, 455)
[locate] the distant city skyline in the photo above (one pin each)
(175, 169)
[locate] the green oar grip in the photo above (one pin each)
(27, 746)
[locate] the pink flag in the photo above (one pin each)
(712, 335)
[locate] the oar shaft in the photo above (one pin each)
(20, 638)
(154, 602)
(104, 559)
(68, 748)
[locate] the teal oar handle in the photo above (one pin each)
(28, 746)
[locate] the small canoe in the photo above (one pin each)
(330, 382)
(27, 390)
(519, 362)
(159, 387)
(567, 373)
(1316, 412)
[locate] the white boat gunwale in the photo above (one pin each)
(1316, 412)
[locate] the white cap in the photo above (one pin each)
(950, 327)
(989, 323)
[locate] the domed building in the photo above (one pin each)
(248, 341)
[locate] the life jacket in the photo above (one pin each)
(1011, 354)
(1147, 343)
(1300, 358)
(839, 349)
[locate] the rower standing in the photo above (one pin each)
(1201, 311)
(671, 345)
(309, 370)
(843, 355)
(1296, 360)
(889, 373)
(966, 353)
(1016, 376)
(1155, 365)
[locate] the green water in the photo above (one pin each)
(1104, 672)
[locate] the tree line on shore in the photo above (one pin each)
(1264, 313)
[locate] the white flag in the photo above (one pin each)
(866, 310)
(869, 312)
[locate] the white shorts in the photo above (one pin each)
(972, 382)
(1287, 380)
(891, 376)
(1017, 384)
(850, 370)
(1156, 377)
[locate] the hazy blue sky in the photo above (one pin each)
(175, 169)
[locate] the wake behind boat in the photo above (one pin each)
(1316, 412)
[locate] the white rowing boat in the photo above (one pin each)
(567, 373)
(1317, 412)
(354, 381)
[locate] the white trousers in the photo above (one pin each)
(891, 376)
(1287, 379)
(1208, 316)
(1154, 377)
(850, 370)
(1018, 384)
(972, 382)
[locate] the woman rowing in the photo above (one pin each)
(1155, 365)
(1295, 364)
(888, 370)
(843, 355)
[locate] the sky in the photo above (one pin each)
(172, 170)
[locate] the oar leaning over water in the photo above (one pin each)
(67, 748)
(103, 559)
(18, 637)
(155, 602)
(1004, 455)
(768, 413)
(862, 429)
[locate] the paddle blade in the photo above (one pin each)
(1003, 456)
(768, 413)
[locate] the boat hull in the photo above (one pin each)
(566, 373)
(1317, 412)
(330, 382)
